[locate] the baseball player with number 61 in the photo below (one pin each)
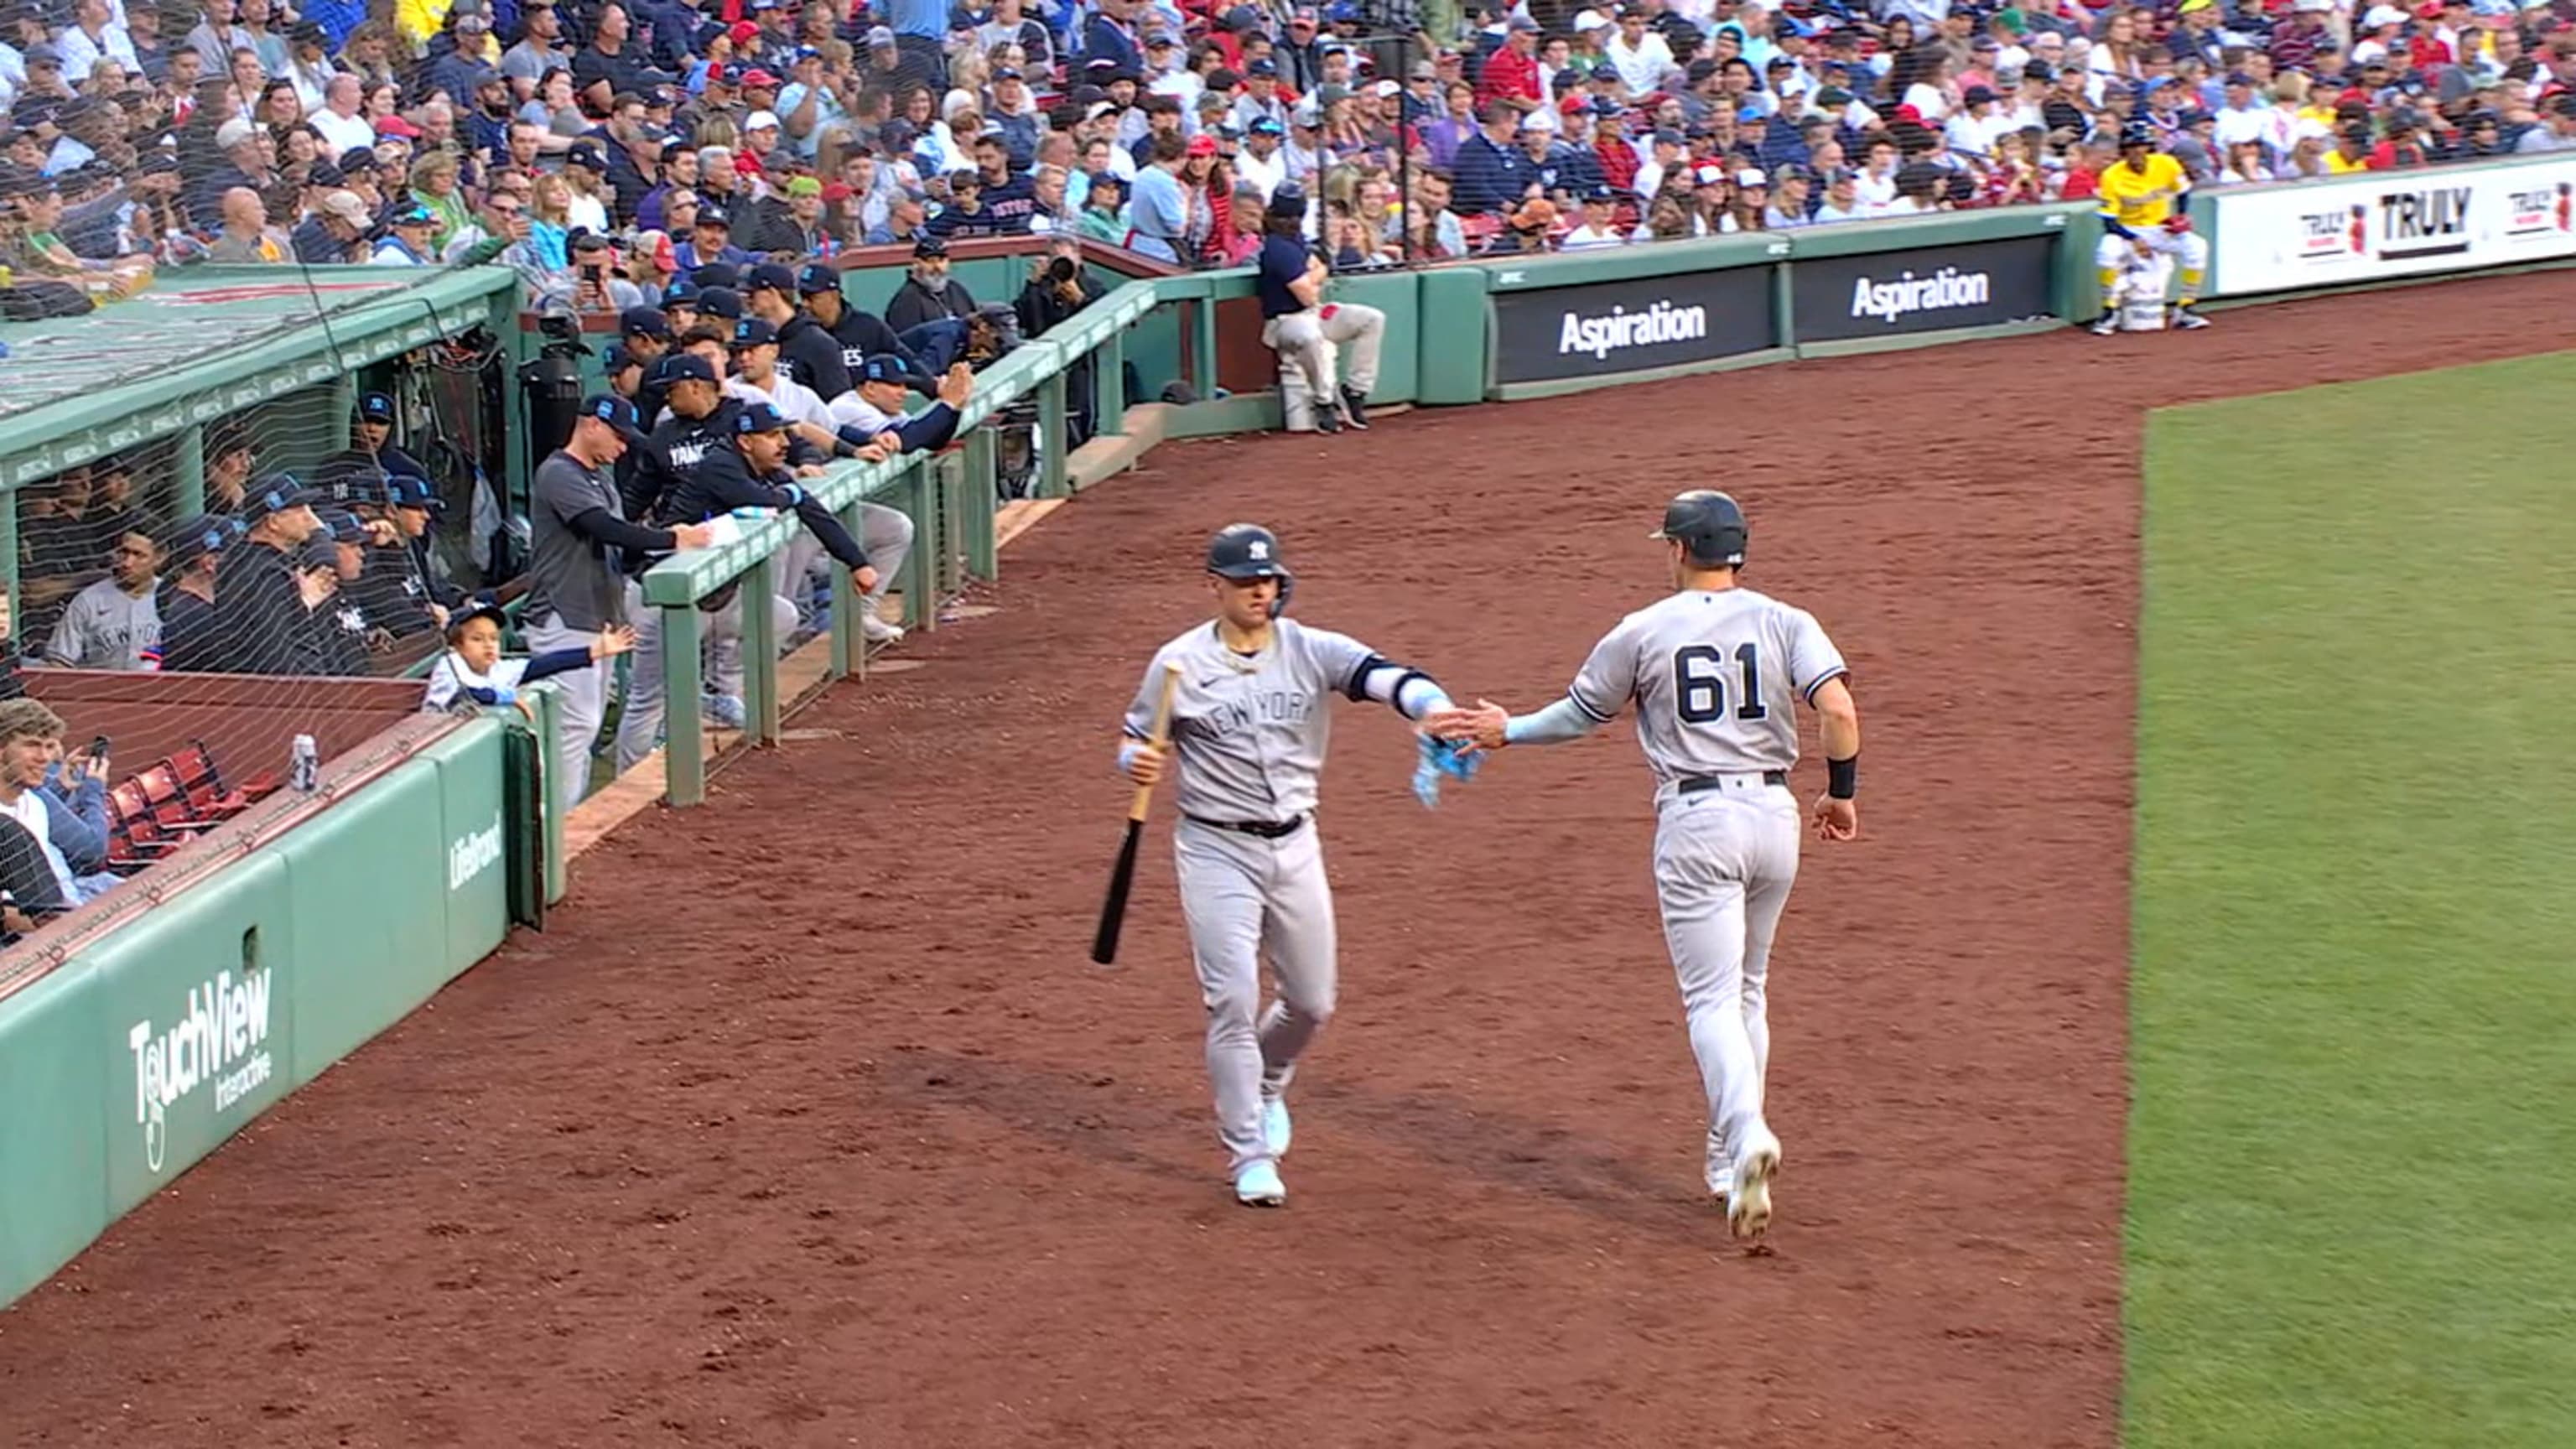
(1716, 672)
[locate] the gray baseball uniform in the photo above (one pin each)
(1717, 676)
(1248, 736)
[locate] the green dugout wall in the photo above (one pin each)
(157, 1040)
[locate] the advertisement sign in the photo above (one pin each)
(1925, 289)
(2384, 224)
(1627, 326)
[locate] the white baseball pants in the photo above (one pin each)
(1248, 900)
(2189, 250)
(1310, 342)
(1725, 858)
(639, 728)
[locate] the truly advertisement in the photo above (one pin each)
(2392, 224)
(1926, 289)
(216, 1046)
(1627, 326)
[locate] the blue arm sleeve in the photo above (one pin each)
(1559, 722)
(554, 661)
(932, 429)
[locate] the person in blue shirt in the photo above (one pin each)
(1492, 173)
(1305, 330)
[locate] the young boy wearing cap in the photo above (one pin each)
(471, 670)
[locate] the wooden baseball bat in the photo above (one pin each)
(1113, 907)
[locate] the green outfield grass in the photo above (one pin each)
(2352, 1154)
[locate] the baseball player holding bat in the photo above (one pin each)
(1248, 727)
(1716, 672)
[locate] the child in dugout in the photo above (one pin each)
(472, 672)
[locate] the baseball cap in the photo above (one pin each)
(682, 293)
(818, 277)
(410, 490)
(761, 121)
(347, 206)
(320, 551)
(879, 35)
(1202, 144)
(193, 538)
(617, 412)
(228, 135)
(358, 158)
(930, 246)
(1977, 95)
(1267, 126)
(710, 214)
(277, 493)
(586, 156)
(885, 367)
(1264, 66)
(477, 608)
(755, 77)
(802, 186)
(375, 407)
(342, 525)
(644, 322)
(754, 332)
(680, 367)
(412, 215)
(772, 275)
(759, 417)
(722, 302)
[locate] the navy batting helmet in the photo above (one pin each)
(1250, 551)
(1709, 525)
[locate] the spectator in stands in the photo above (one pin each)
(471, 673)
(75, 789)
(245, 236)
(30, 737)
(114, 623)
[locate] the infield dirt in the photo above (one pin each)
(808, 1122)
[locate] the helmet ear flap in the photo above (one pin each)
(1279, 601)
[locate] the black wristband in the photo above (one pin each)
(1842, 777)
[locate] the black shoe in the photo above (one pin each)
(1355, 407)
(1326, 421)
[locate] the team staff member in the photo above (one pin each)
(263, 621)
(749, 470)
(1304, 329)
(873, 407)
(2141, 197)
(371, 456)
(185, 600)
(1251, 717)
(886, 533)
(860, 333)
(580, 537)
(807, 350)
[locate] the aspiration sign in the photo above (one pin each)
(1598, 328)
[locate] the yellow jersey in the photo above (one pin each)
(2142, 199)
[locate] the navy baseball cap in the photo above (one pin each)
(375, 407)
(710, 214)
(342, 525)
(771, 275)
(722, 302)
(885, 367)
(193, 538)
(758, 417)
(682, 293)
(716, 274)
(818, 277)
(277, 493)
(931, 246)
(644, 322)
(677, 368)
(753, 332)
(410, 490)
(619, 414)
(317, 553)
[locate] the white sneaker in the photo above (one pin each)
(1748, 1211)
(1258, 1185)
(876, 630)
(2106, 324)
(1275, 1129)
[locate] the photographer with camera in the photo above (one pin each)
(1059, 286)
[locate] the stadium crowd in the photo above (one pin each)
(607, 148)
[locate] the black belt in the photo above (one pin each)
(1692, 785)
(1266, 829)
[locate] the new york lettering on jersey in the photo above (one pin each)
(1250, 734)
(1716, 675)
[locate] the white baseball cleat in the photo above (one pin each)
(1718, 1165)
(1275, 1128)
(1258, 1185)
(1748, 1210)
(2106, 324)
(877, 630)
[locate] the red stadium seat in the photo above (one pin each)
(135, 839)
(203, 784)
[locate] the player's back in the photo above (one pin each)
(1716, 675)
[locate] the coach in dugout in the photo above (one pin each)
(263, 619)
(1304, 329)
(191, 640)
(580, 539)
